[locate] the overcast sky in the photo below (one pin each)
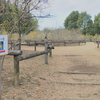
(60, 9)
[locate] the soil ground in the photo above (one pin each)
(40, 81)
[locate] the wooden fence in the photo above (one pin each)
(97, 42)
(54, 42)
(48, 49)
(19, 57)
(64, 42)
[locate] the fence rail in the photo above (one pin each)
(97, 42)
(54, 42)
(23, 57)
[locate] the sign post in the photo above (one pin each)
(3, 51)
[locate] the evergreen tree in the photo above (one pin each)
(90, 28)
(81, 21)
(71, 20)
(97, 24)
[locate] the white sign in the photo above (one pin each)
(3, 44)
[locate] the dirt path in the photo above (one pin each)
(53, 82)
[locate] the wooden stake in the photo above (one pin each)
(50, 52)
(97, 44)
(16, 71)
(46, 55)
(46, 49)
(34, 45)
(16, 68)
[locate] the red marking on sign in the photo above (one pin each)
(2, 51)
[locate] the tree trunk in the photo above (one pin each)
(16, 71)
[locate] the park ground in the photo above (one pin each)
(57, 79)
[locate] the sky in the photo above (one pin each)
(60, 9)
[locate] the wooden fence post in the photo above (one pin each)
(2, 60)
(51, 50)
(16, 54)
(51, 53)
(11, 45)
(97, 44)
(34, 45)
(64, 43)
(16, 71)
(46, 55)
(16, 67)
(46, 48)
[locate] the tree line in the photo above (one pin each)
(83, 21)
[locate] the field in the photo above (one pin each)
(73, 73)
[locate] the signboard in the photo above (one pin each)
(3, 44)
